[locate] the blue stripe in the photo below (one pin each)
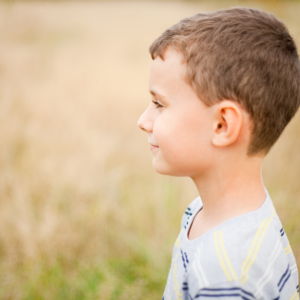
(221, 295)
(184, 283)
(247, 293)
(188, 213)
(285, 282)
(228, 289)
(283, 275)
(281, 229)
(182, 257)
(186, 258)
(220, 289)
(188, 208)
(185, 289)
(282, 233)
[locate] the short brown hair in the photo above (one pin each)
(245, 55)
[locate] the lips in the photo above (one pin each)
(152, 147)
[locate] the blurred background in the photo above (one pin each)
(82, 213)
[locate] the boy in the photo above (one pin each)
(224, 85)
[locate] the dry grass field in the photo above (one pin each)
(82, 213)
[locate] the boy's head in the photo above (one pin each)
(241, 57)
(244, 55)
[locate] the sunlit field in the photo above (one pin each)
(82, 213)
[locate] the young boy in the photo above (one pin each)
(224, 85)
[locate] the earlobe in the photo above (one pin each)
(227, 123)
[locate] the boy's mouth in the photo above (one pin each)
(152, 147)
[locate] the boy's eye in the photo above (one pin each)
(157, 103)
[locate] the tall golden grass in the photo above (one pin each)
(82, 213)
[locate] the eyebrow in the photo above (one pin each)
(154, 93)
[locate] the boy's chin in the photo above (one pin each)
(164, 169)
(160, 168)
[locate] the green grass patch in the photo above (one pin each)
(136, 277)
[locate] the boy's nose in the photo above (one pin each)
(144, 122)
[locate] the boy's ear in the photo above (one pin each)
(227, 123)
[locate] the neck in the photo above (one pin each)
(233, 189)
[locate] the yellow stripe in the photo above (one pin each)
(294, 296)
(258, 246)
(176, 289)
(287, 248)
(252, 246)
(177, 242)
(221, 259)
(226, 257)
(289, 251)
(176, 285)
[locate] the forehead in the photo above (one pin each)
(167, 73)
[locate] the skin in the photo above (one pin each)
(207, 144)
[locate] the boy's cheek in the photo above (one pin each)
(169, 159)
(160, 131)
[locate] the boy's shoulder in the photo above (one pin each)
(247, 254)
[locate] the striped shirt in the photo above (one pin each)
(246, 257)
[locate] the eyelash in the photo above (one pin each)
(158, 105)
